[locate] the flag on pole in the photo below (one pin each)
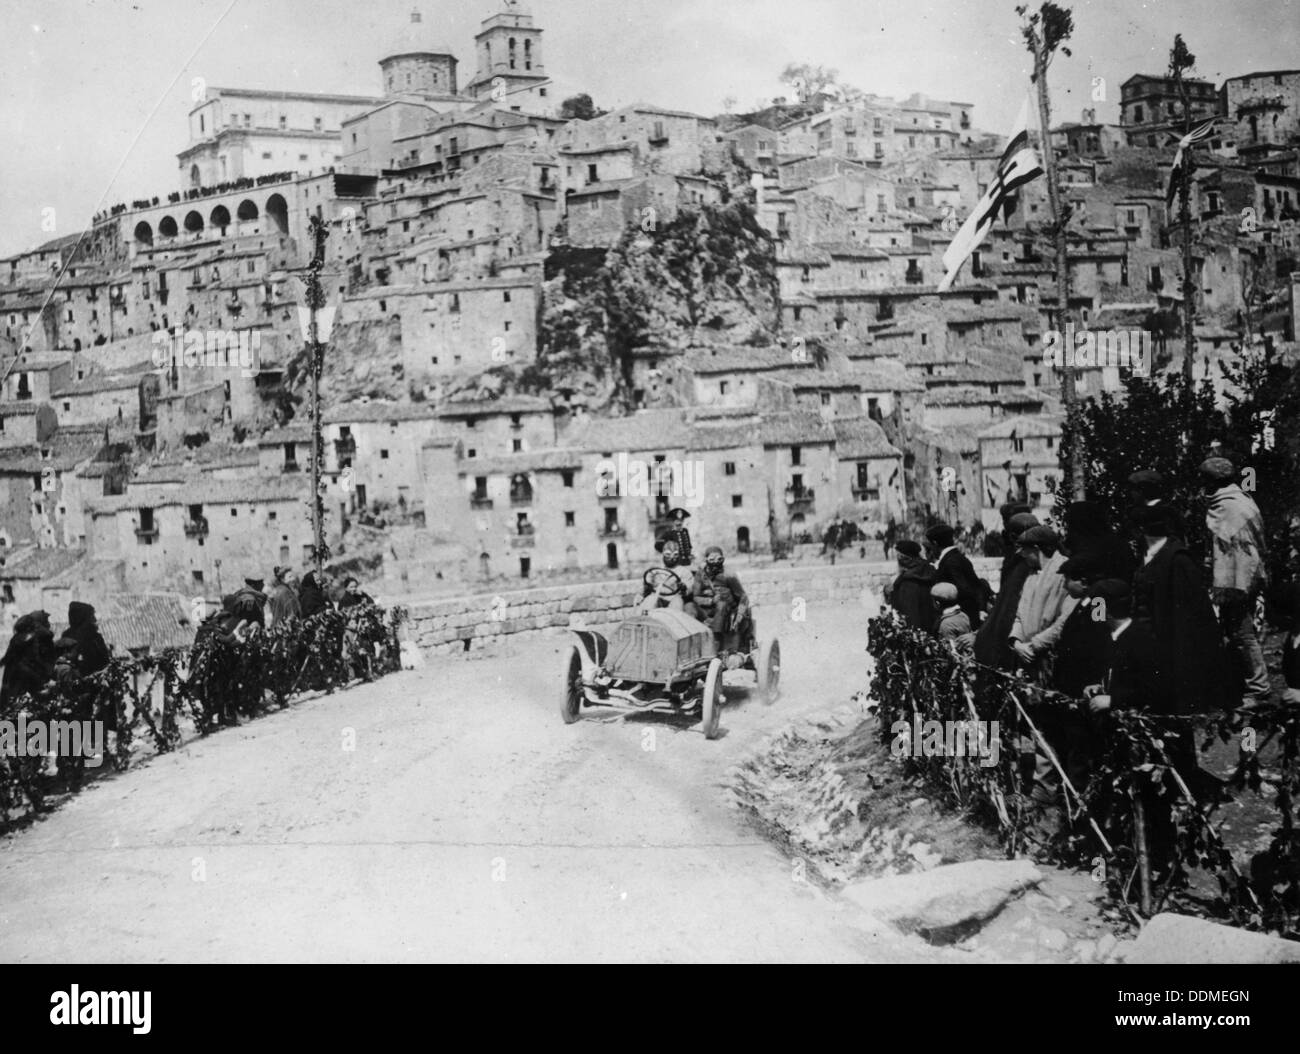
(1177, 174)
(1018, 165)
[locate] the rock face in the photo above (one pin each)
(947, 903)
(1171, 938)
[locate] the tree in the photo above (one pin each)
(729, 103)
(579, 108)
(807, 80)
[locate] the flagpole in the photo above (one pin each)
(1077, 480)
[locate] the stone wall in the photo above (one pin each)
(478, 625)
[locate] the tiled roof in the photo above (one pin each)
(378, 412)
(207, 491)
(1024, 425)
(97, 382)
(532, 461)
(146, 620)
(793, 428)
(507, 404)
(40, 564)
(642, 430)
(857, 437)
(288, 434)
(733, 359)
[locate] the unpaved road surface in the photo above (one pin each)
(468, 823)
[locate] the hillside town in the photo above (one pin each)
(799, 365)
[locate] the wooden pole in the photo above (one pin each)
(315, 301)
(1143, 853)
(1077, 481)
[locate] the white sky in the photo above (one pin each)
(87, 86)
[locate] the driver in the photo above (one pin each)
(718, 600)
(664, 589)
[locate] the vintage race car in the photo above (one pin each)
(663, 660)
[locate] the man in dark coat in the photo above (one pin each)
(251, 600)
(83, 631)
(1170, 596)
(1135, 681)
(909, 594)
(718, 600)
(29, 659)
(952, 565)
(1082, 651)
(1088, 533)
(679, 534)
(991, 647)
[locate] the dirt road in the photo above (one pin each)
(467, 822)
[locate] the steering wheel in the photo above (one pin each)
(655, 575)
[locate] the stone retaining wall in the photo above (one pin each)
(478, 625)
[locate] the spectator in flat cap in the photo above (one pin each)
(993, 641)
(953, 566)
(250, 601)
(1238, 550)
(909, 594)
(952, 621)
(1044, 603)
(1170, 597)
(1088, 532)
(1015, 527)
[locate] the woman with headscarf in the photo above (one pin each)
(29, 659)
(83, 631)
(282, 599)
(312, 598)
(909, 594)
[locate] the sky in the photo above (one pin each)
(94, 93)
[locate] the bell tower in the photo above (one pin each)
(508, 52)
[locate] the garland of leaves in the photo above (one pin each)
(215, 681)
(919, 678)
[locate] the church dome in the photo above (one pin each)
(413, 39)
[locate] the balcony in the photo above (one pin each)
(866, 493)
(480, 501)
(345, 448)
(290, 466)
(525, 537)
(193, 529)
(146, 535)
(616, 530)
(799, 497)
(520, 499)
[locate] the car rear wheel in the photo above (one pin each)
(572, 699)
(711, 704)
(769, 670)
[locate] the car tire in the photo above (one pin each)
(571, 701)
(769, 670)
(711, 702)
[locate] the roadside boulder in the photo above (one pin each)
(948, 903)
(1170, 938)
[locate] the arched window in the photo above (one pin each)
(512, 52)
